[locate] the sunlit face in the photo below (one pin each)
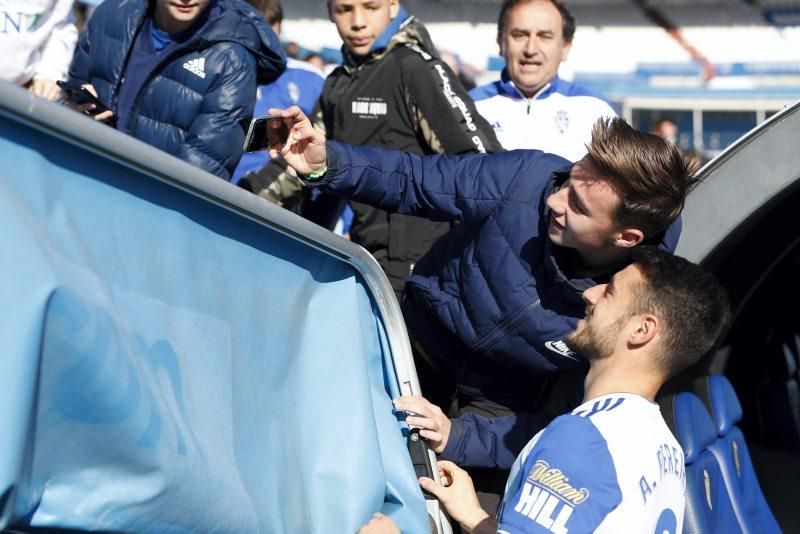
(177, 15)
(597, 335)
(361, 22)
(583, 210)
(533, 45)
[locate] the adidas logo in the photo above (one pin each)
(196, 66)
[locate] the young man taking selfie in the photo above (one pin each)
(489, 306)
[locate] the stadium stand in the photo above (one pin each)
(689, 60)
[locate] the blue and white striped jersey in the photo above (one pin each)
(610, 466)
(558, 119)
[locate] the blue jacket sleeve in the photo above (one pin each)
(438, 187)
(477, 441)
(567, 483)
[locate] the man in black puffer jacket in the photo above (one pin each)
(179, 76)
(391, 91)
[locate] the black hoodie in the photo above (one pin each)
(401, 96)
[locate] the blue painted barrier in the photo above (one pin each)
(175, 355)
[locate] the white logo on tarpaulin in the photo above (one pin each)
(560, 348)
(196, 66)
(562, 120)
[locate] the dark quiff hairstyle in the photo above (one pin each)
(271, 9)
(690, 303)
(651, 175)
(567, 20)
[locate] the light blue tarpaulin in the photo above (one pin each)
(167, 364)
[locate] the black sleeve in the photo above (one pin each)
(443, 112)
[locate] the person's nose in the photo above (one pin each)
(359, 19)
(591, 295)
(531, 47)
(558, 201)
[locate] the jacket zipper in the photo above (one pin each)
(121, 80)
(503, 327)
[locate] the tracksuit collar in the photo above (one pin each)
(508, 87)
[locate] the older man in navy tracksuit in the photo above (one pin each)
(179, 76)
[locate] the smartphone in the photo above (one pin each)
(80, 95)
(266, 133)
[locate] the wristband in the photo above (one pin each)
(314, 176)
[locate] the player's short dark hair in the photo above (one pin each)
(271, 9)
(690, 303)
(567, 20)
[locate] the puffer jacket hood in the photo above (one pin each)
(256, 37)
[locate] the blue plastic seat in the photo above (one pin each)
(708, 506)
(733, 456)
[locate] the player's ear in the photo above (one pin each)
(645, 328)
(565, 51)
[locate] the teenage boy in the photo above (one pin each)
(180, 75)
(390, 91)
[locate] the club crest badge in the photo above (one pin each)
(562, 120)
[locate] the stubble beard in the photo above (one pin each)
(594, 345)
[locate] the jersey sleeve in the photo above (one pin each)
(568, 482)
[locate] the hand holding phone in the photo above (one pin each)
(82, 97)
(305, 150)
(266, 133)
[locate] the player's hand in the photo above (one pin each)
(434, 425)
(457, 495)
(87, 108)
(46, 89)
(379, 524)
(305, 149)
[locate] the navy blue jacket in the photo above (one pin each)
(197, 102)
(477, 441)
(488, 303)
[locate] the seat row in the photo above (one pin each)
(722, 491)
